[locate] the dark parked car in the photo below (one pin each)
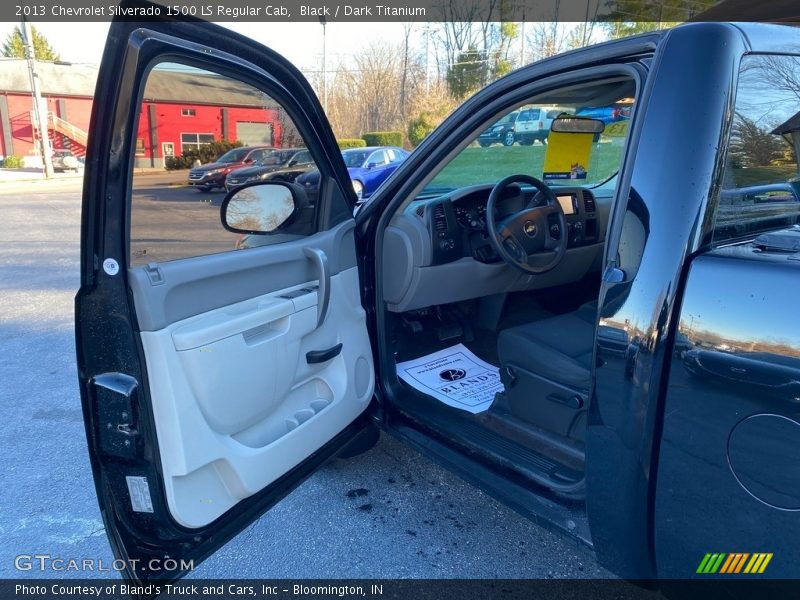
(283, 164)
(459, 311)
(502, 132)
(212, 175)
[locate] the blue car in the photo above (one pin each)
(368, 168)
(606, 114)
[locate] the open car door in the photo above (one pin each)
(216, 371)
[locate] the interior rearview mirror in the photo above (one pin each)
(262, 208)
(570, 124)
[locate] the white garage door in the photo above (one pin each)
(254, 134)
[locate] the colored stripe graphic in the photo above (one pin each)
(765, 563)
(703, 563)
(731, 563)
(727, 564)
(734, 563)
(755, 562)
(711, 563)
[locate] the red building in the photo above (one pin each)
(181, 109)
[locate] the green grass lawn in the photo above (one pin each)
(763, 175)
(488, 165)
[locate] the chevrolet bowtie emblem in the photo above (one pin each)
(529, 228)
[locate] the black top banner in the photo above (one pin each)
(662, 11)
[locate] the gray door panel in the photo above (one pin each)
(183, 288)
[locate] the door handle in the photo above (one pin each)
(320, 260)
(315, 357)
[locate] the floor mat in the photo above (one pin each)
(454, 376)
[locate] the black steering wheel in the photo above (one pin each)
(523, 238)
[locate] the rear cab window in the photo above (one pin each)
(760, 188)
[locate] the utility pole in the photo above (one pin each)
(324, 22)
(41, 120)
(522, 38)
(585, 26)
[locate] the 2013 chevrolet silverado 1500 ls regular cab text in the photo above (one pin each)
(604, 340)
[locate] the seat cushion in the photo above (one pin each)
(558, 348)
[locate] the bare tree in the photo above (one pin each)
(544, 40)
(379, 86)
(378, 91)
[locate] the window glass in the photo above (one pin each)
(760, 187)
(559, 160)
(302, 158)
(509, 118)
(378, 158)
(175, 199)
(193, 141)
(258, 156)
(354, 158)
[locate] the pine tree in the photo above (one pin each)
(629, 17)
(14, 46)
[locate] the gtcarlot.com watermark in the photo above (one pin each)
(47, 562)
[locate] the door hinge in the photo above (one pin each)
(115, 394)
(154, 274)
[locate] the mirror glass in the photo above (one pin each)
(259, 208)
(577, 125)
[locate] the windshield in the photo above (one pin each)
(557, 158)
(232, 156)
(354, 158)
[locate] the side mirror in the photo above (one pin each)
(292, 162)
(247, 161)
(372, 165)
(262, 208)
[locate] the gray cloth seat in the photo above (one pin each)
(557, 348)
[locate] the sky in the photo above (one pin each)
(301, 43)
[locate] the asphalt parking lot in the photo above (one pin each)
(388, 513)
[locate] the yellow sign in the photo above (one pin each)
(567, 155)
(619, 129)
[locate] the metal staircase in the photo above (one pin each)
(65, 135)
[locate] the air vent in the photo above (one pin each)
(439, 218)
(420, 211)
(588, 203)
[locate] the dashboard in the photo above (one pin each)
(457, 226)
(437, 249)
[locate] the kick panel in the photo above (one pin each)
(231, 385)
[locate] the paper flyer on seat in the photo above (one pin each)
(454, 376)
